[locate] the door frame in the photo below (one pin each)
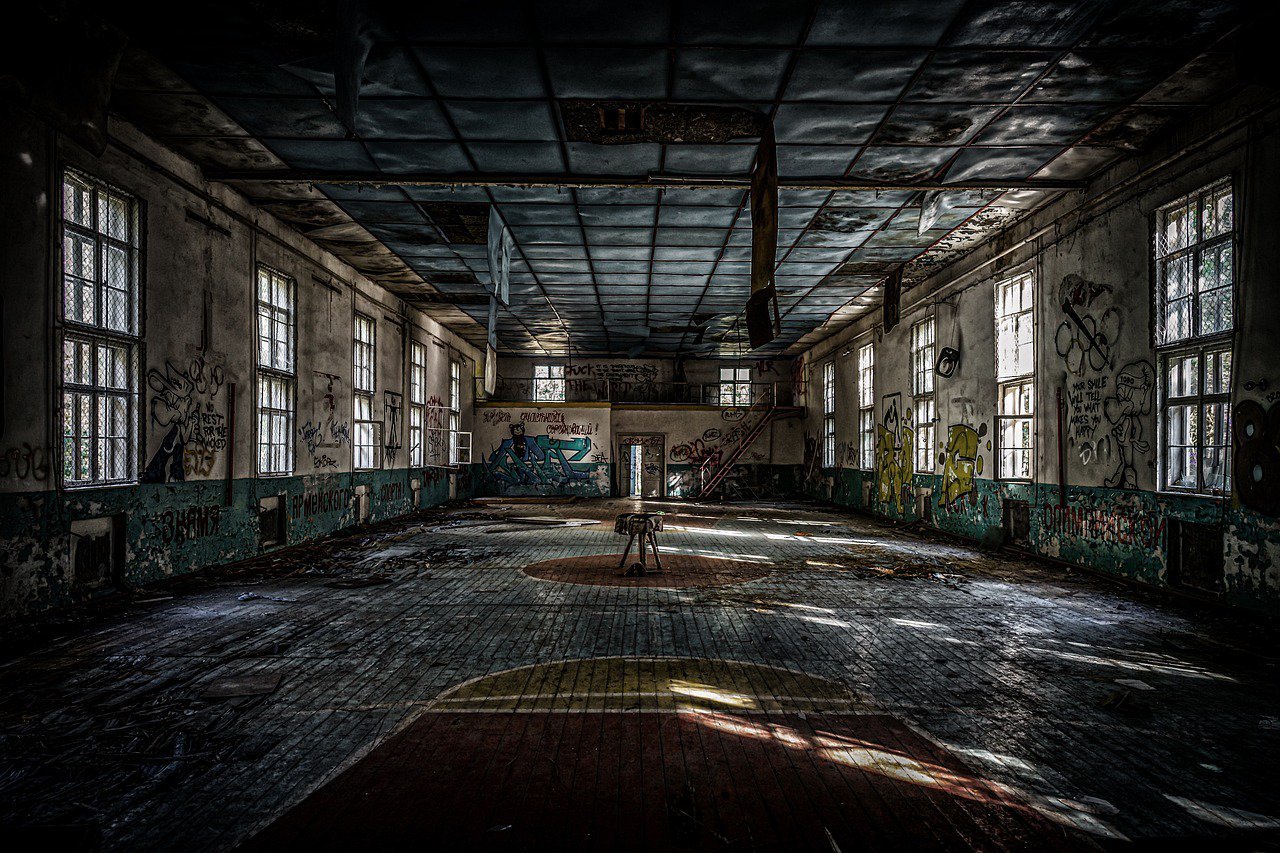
(662, 444)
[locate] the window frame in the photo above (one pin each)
(271, 373)
(1196, 250)
(98, 335)
(867, 406)
(921, 396)
(362, 394)
(829, 414)
(417, 403)
(734, 389)
(1196, 343)
(1009, 380)
(1201, 400)
(542, 384)
(455, 408)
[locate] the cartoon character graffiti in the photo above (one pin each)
(1134, 388)
(961, 463)
(537, 460)
(180, 396)
(895, 467)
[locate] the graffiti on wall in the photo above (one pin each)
(315, 502)
(1084, 421)
(1090, 329)
(177, 526)
(895, 465)
(627, 371)
(392, 404)
(555, 421)
(1125, 411)
(1107, 525)
(183, 402)
(25, 463)
(324, 430)
(961, 463)
(538, 460)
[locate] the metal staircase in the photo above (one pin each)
(715, 468)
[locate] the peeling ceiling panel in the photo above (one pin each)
(575, 92)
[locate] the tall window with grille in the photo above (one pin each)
(99, 317)
(455, 408)
(548, 383)
(867, 406)
(735, 386)
(417, 401)
(829, 415)
(276, 372)
(923, 407)
(366, 440)
(1195, 243)
(1015, 377)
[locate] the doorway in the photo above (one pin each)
(641, 456)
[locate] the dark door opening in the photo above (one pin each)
(641, 457)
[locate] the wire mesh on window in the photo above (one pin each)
(1195, 265)
(98, 400)
(275, 424)
(99, 255)
(275, 321)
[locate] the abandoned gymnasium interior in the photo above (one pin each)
(763, 425)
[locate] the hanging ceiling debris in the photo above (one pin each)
(616, 142)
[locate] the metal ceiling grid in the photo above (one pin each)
(941, 90)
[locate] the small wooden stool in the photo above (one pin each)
(642, 526)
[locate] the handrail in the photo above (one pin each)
(767, 402)
(549, 392)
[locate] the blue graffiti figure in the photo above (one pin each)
(533, 460)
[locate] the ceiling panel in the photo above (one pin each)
(916, 90)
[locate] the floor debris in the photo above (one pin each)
(231, 687)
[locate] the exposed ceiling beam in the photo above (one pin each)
(570, 181)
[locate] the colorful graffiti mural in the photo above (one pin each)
(538, 460)
(961, 463)
(895, 464)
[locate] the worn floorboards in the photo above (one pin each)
(798, 680)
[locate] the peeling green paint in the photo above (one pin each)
(175, 528)
(1118, 531)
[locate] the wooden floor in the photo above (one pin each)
(795, 680)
